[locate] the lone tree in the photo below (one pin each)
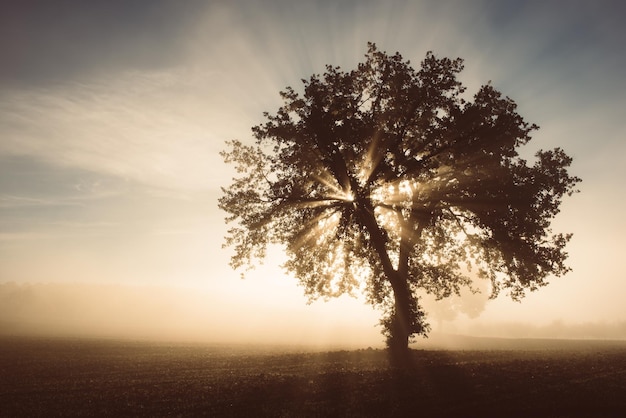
(386, 180)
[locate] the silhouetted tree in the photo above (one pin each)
(386, 179)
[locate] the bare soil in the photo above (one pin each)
(79, 377)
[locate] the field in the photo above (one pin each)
(80, 377)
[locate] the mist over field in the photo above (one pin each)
(193, 315)
(161, 313)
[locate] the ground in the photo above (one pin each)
(81, 377)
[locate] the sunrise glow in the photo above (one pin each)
(112, 121)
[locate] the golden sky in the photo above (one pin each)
(112, 116)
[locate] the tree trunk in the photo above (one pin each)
(404, 322)
(401, 329)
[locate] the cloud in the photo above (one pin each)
(161, 122)
(146, 127)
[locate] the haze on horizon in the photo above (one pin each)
(112, 115)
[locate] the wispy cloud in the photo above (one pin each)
(163, 126)
(7, 201)
(138, 127)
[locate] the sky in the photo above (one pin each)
(113, 114)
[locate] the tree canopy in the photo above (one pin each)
(390, 181)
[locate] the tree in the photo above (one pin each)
(386, 179)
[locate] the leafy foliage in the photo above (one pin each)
(386, 179)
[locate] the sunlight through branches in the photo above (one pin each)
(386, 180)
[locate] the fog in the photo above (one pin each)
(193, 315)
(166, 314)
